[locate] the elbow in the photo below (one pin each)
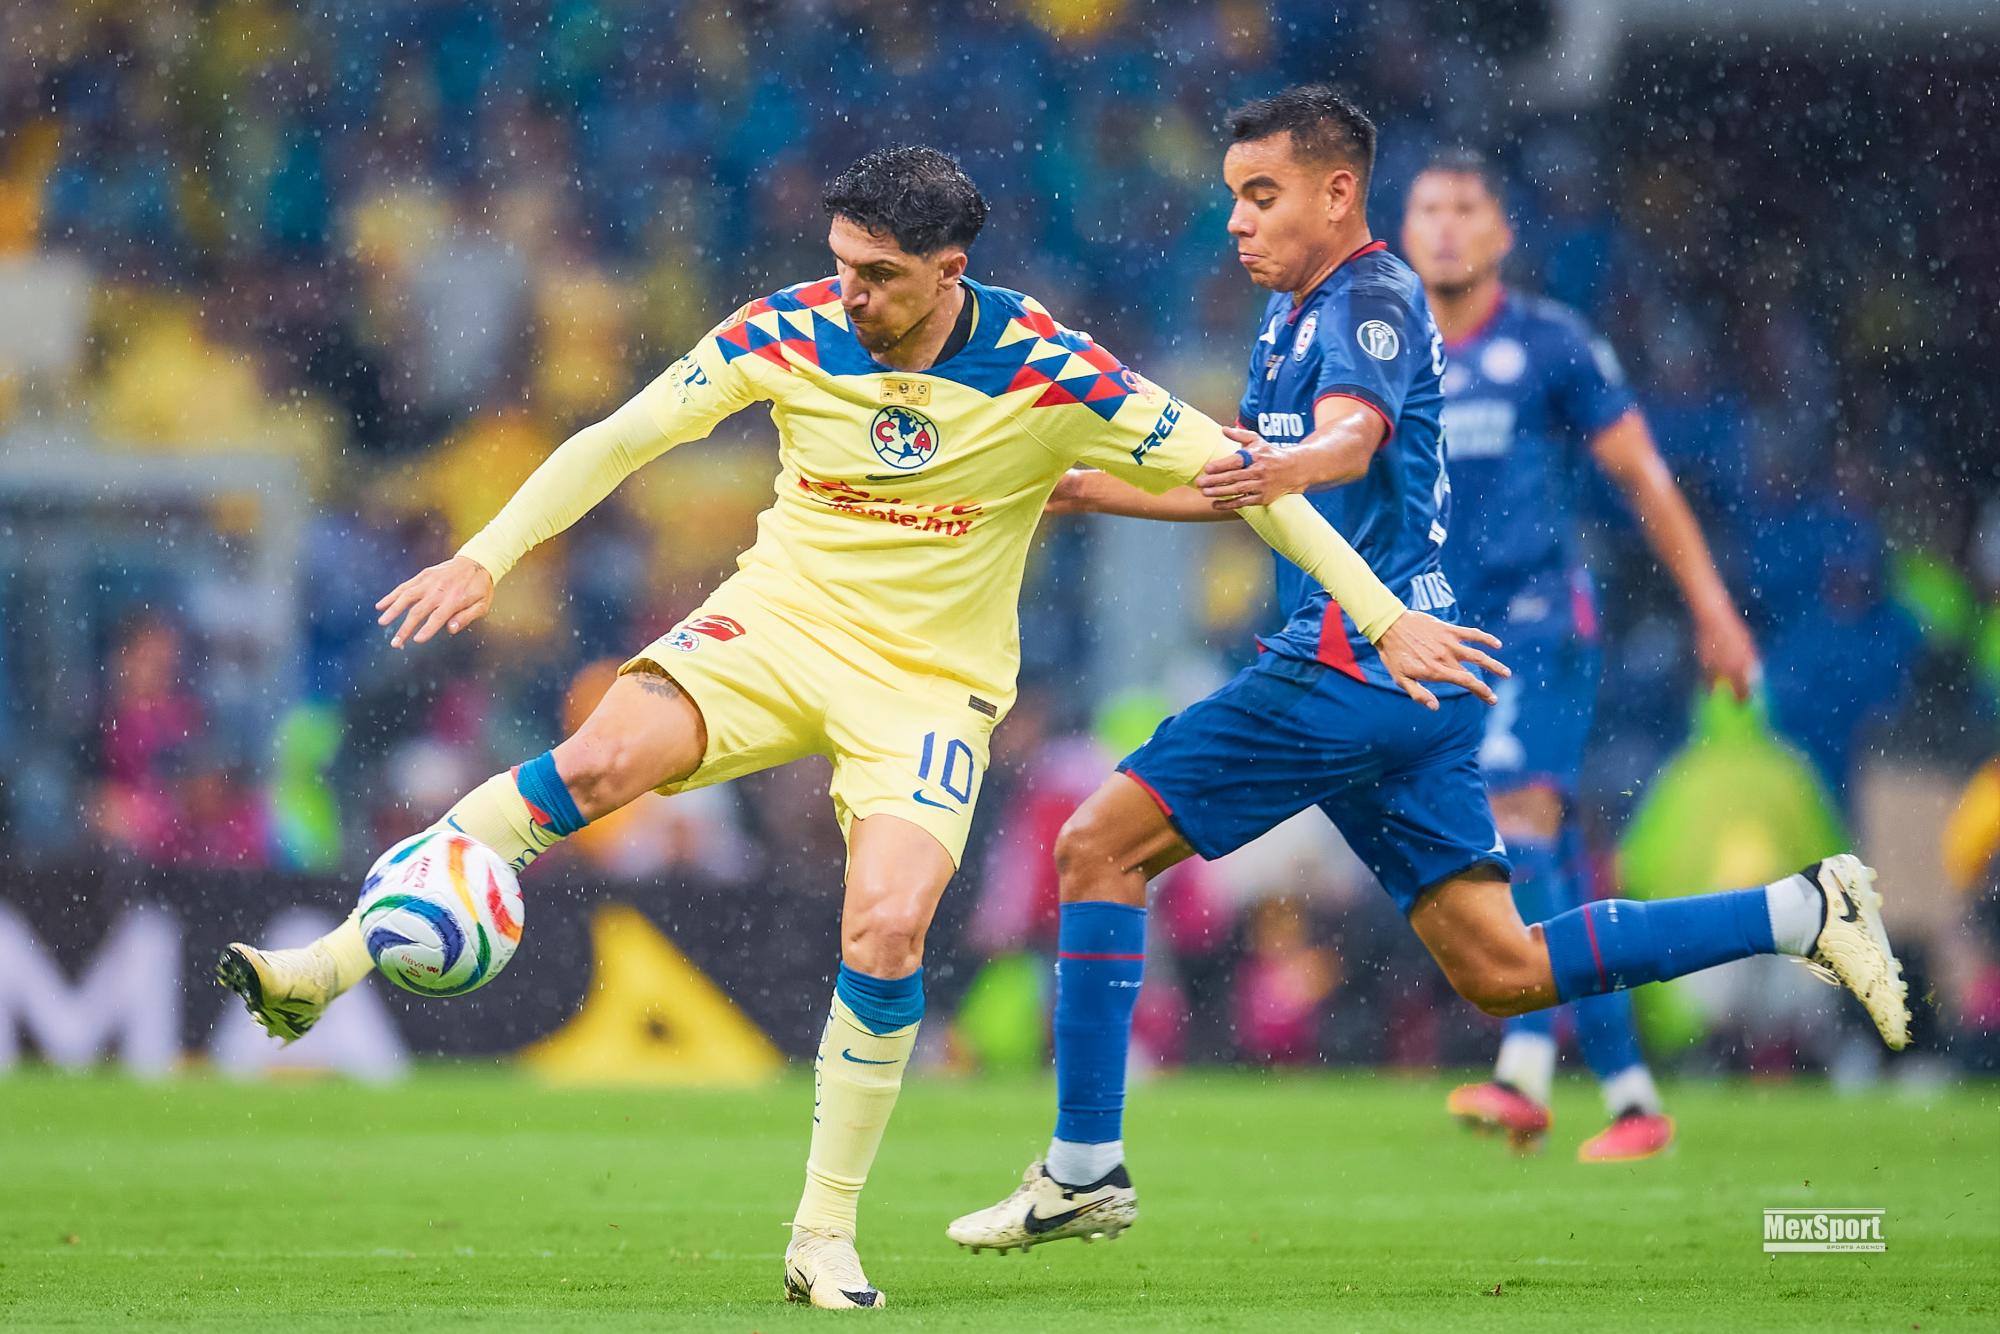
(1341, 464)
(1340, 477)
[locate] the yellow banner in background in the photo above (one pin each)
(651, 1017)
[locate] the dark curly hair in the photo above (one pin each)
(1325, 125)
(918, 195)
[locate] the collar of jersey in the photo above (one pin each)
(1319, 289)
(978, 365)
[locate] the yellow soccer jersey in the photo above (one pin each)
(906, 500)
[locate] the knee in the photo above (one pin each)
(1086, 855)
(1078, 844)
(643, 733)
(882, 932)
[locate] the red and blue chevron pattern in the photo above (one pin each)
(786, 321)
(1023, 349)
(1065, 365)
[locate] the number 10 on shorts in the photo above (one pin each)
(954, 768)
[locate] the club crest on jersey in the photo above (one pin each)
(1378, 340)
(688, 638)
(902, 438)
(1303, 343)
(1503, 361)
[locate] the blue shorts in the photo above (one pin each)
(1536, 734)
(1402, 784)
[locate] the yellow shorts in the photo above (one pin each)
(774, 686)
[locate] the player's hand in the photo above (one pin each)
(1726, 651)
(450, 596)
(1419, 647)
(1072, 493)
(1270, 471)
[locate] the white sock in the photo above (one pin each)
(853, 1095)
(349, 952)
(1796, 907)
(1076, 1164)
(1632, 1088)
(1528, 1062)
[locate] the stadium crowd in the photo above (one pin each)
(411, 244)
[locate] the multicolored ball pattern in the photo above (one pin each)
(440, 913)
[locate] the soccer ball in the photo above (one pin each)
(441, 913)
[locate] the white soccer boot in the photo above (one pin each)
(1853, 950)
(821, 1269)
(1043, 1209)
(286, 990)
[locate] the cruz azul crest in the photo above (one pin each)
(903, 438)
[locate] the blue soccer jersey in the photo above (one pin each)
(1306, 725)
(1524, 394)
(1366, 333)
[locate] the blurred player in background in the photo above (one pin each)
(1529, 393)
(1344, 392)
(923, 420)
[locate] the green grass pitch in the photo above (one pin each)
(475, 1198)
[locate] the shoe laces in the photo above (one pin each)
(1029, 1180)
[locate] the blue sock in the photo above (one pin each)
(1100, 958)
(1606, 1033)
(1613, 944)
(548, 796)
(884, 1004)
(1539, 894)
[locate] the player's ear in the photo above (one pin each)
(951, 267)
(1341, 192)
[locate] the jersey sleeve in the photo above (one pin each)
(1589, 385)
(683, 403)
(1371, 348)
(1154, 441)
(1123, 423)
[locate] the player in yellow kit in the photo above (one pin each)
(923, 419)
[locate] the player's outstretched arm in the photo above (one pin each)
(1626, 453)
(582, 471)
(1346, 433)
(1088, 491)
(1415, 647)
(680, 405)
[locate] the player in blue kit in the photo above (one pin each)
(1532, 400)
(1345, 390)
